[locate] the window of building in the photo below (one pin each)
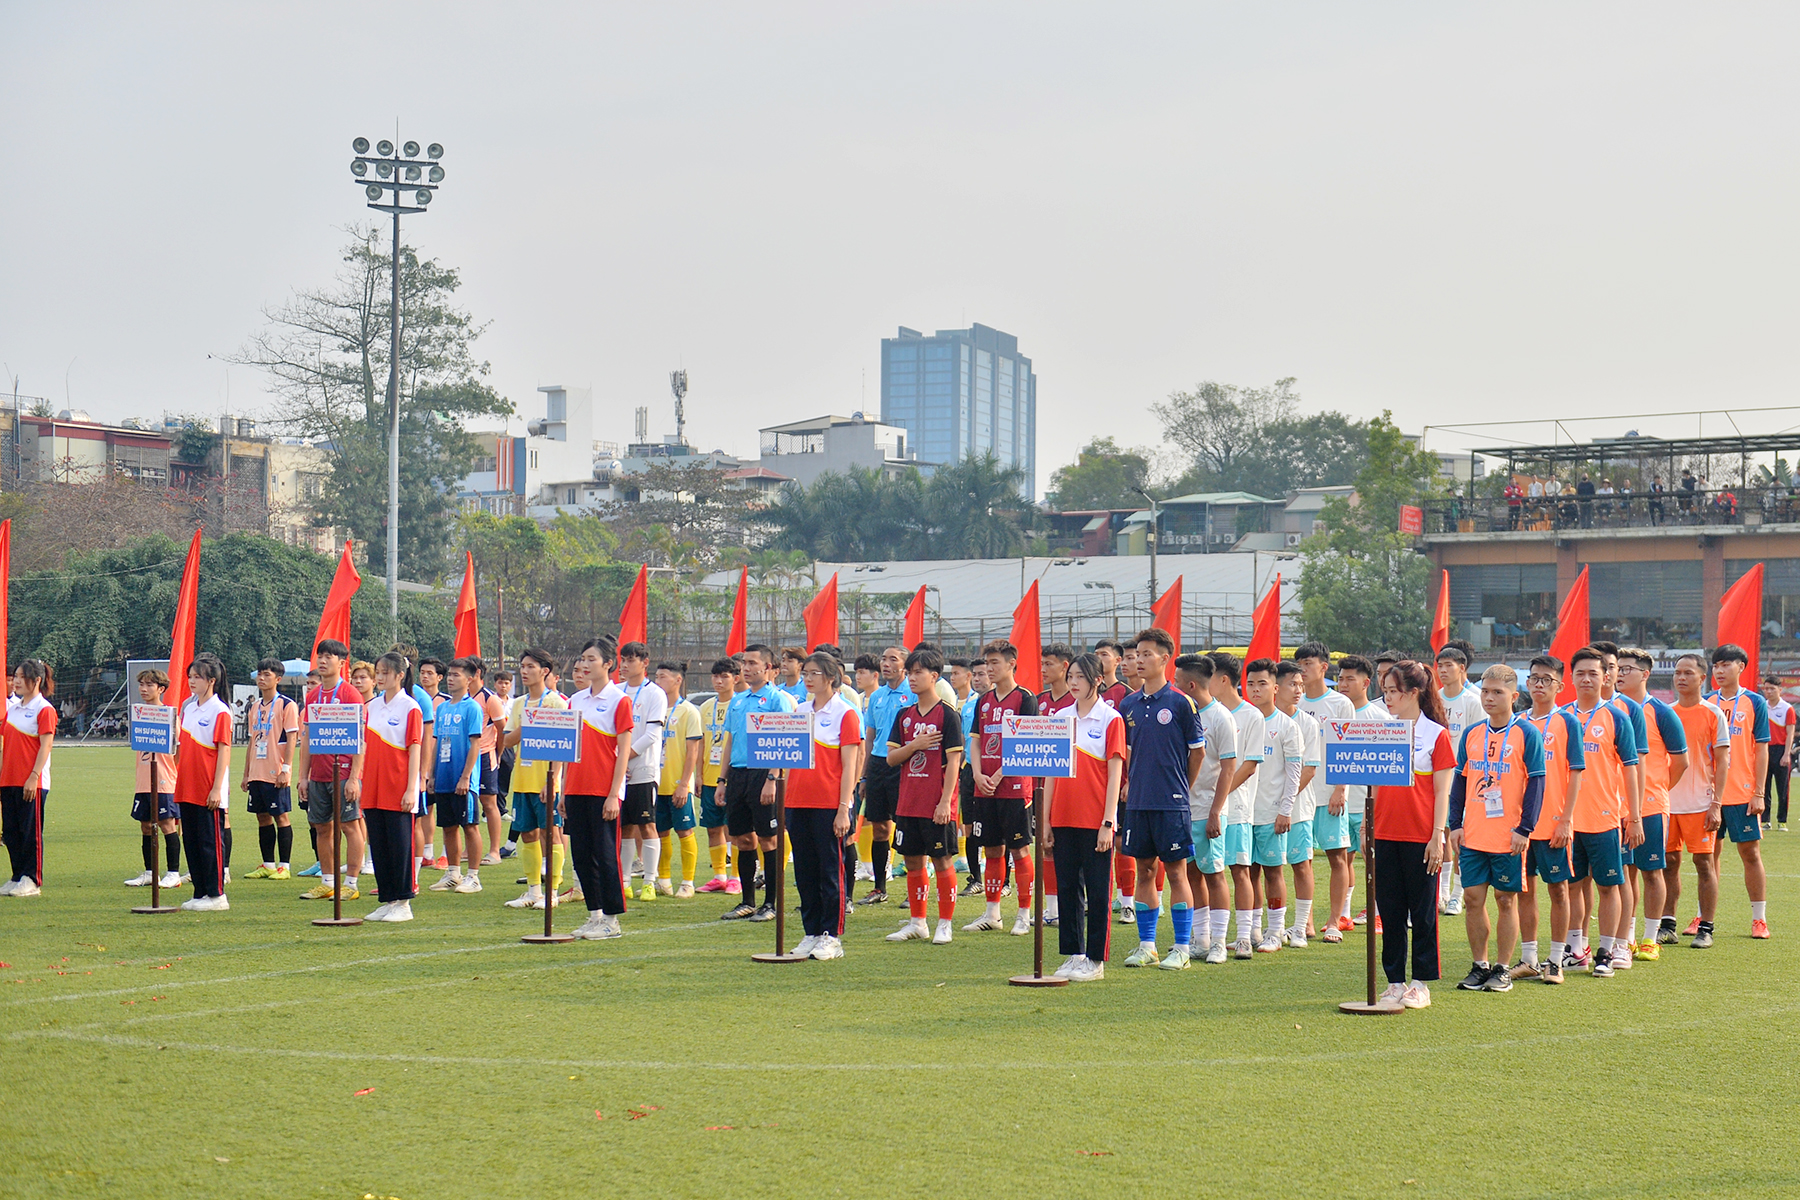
(1781, 599)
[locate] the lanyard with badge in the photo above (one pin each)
(1493, 800)
(264, 723)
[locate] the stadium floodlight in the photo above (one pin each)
(360, 145)
(434, 151)
(384, 148)
(410, 150)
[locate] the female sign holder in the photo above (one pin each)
(818, 800)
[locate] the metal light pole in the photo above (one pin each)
(1155, 522)
(1112, 601)
(399, 170)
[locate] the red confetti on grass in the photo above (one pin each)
(598, 1115)
(635, 1115)
(714, 1128)
(128, 1002)
(653, 1108)
(5, 966)
(159, 997)
(364, 1092)
(1096, 1153)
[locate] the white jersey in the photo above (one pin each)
(649, 710)
(1693, 792)
(1312, 754)
(1283, 743)
(1242, 801)
(1357, 796)
(1218, 733)
(1332, 706)
(1461, 711)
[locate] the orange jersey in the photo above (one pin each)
(26, 725)
(1748, 715)
(165, 773)
(1562, 756)
(1079, 803)
(274, 730)
(1708, 739)
(1660, 735)
(493, 709)
(604, 716)
(1495, 765)
(390, 729)
(834, 727)
(1608, 745)
(204, 748)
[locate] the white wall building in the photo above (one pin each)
(804, 450)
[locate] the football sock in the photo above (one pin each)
(878, 858)
(172, 852)
(531, 857)
(746, 865)
(1146, 922)
(1245, 918)
(1183, 917)
(1302, 914)
(1759, 910)
(1276, 917)
(265, 839)
(1349, 895)
(149, 852)
(1023, 875)
(771, 859)
(689, 846)
(1219, 919)
(1162, 876)
(946, 890)
(1124, 875)
(1048, 882)
(1528, 953)
(666, 860)
(284, 844)
(915, 893)
(1669, 924)
(718, 860)
(651, 853)
(430, 854)
(1557, 951)
(993, 879)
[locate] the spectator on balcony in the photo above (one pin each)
(1688, 486)
(1605, 491)
(1585, 490)
(1656, 499)
(1515, 499)
(1566, 511)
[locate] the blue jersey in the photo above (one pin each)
(426, 707)
(796, 690)
(968, 716)
(885, 704)
(767, 698)
(1160, 729)
(457, 725)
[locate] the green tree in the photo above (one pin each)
(860, 514)
(1220, 423)
(1102, 476)
(695, 506)
(326, 352)
(510, 568)
(1364, 587)
(976, 510)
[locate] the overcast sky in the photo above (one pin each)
(1459, 212)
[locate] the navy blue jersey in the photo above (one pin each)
(1160, 729)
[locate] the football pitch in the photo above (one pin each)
(249, 1054)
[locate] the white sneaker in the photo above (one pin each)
(469, 885)
(807, 945)
(26, 887)
(1197, 949)
(865, 873)
(1021, 924)
(665, 887)
(1416, 996)
(191, 905)
(1242, 949)
(402, 911)
(1621, 957)
(380, 913)
(1271, 942)
(828, 947)
(1215, 952)
(209, 904)
(609, 928)
(590, 928)
(533, 898)
(1068, 965)
(1391, 994)
(141, 880)
(170, 879)
(942, 936)
(225, 873)
(7, 888)
(913, 930)
(445, 883)
(1295, 937)
(984, 922)
(1452, 907)
(1088, 971)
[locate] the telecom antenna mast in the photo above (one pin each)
(678, 385)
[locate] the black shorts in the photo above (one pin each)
(486, 780)
(457, 810)
(504, 777)
(881, 792)
(916, 836)
(1000, 821)
(266, 797)
(639, 807)
(745, 813)
(965, 792)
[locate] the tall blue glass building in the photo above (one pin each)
(961, 392)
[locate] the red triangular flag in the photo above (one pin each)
(1165, 614)
(468, 625)
(1440, 619)
(914, 629)
(821, 614)
(5, 587)
(1571, 632)
(1740, 620)
(634, 618)
(187, 609)
(739, 637)
(1265, 632)
(334, 622)
(1029, 642)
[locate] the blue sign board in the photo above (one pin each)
(778, 740)
(1368, 752)
(550, 735)
(1039, 746)
(334, 728)
(153, 728)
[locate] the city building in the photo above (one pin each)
(804, 450)
(72, 448)
(961, 392)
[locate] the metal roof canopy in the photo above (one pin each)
(1612, 449)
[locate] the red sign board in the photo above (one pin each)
(1412, 519)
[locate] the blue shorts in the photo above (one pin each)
(490, 778)
(1267, 848)
(1551, 866)
(1598, 854)
(1738, 824)
(1300, 842)
(1329, 832)
(1237, 845)
(457, 809)
(269, 798)
(1480, 868)
(165, 807)
(1355, 834)
(712, 813)
(1209, 853)
(669, 817)
(1653, 854)
(1158, 833)
(528, 812)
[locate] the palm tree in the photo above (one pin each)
(975, 507)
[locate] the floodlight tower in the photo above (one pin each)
(401, 171)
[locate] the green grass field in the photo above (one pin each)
(249, 1054)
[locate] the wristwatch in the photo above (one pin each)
(1107, 825)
